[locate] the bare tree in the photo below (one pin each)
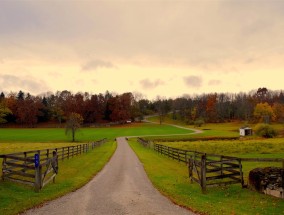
(73, 124)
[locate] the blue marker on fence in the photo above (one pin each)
(36, 160)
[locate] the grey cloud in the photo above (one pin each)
(17, 16)
(26, 83)
(148, 85)
(193, 81)
(202, 34)
(95, 64)
(214, 82)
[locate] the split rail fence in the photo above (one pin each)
(39, 167)
(209, 169)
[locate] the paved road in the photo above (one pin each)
(122, 187)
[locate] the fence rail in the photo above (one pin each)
(145, 143)
(210, 169)
(38, 167)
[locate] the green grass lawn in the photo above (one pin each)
(168, 176)
(229, 129)
(84, 134)
(73, 174)
(246, 148)
(171, 179)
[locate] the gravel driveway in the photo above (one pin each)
(122, 187)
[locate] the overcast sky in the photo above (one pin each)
(155, 47)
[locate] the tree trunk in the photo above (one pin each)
(73, 135)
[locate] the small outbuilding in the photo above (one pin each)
(245, 131)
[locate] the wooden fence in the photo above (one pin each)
(37, 168)
(211, 170)
(206, 169)
(174, 153)
(145, 143)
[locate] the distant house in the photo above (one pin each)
(245, 131)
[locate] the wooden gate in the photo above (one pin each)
(211, 170)
(46, 172)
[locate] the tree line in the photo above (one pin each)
(28, 110)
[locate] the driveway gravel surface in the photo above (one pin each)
(122, 187)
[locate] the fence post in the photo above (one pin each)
(241, 172)
(168, 152)
(25, 162)
(47, 153)
(68, 152)
(221, 159)
(38, 181)
(63, 153)
(55, 163)
(203, 173)
(190, 168)
(3, 167)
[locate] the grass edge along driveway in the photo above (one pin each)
(171, 179)
(73, 174)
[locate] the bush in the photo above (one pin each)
(265, 130)
(199, 122)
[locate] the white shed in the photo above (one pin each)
(245, 131)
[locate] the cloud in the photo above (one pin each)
(26, 83)
(198, 34)
(95, 64)
(193, 81)
(214, 82)
(148, 85)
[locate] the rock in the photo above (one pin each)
(269, 180)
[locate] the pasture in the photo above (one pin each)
(168, 176)
(171, 178)
(73, 174)
(57, 135)
(251, 148)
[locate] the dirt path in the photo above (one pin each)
(122, 187)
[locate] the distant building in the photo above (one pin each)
(245, 131)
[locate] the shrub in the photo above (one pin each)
(199, 122)
(265, 130)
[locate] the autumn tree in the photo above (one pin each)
(120, 107)
(162, 108)
(261, 94)
(94, 109)
(28, 110)
(73, 124)
(4, 111)
(211, 111)
(278, 110)
(263, 112)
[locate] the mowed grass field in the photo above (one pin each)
(73, 173)
(171, 178)
(246, 148)
(35, 135)
(229, 129)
